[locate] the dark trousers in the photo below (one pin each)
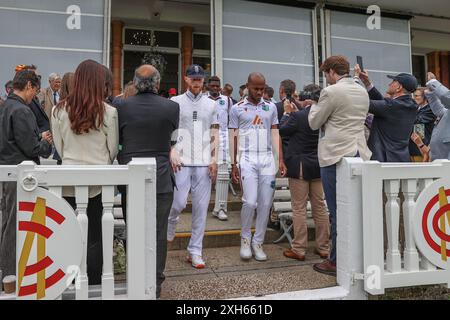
(8, 231)
(329, 186)
(163, 206)
(94, 247)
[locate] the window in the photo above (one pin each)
(202, 42)
(140, 37)
(419, 68)
(169, 79)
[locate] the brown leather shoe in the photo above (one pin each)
(292, 255)
(326, 267)
(323, 255)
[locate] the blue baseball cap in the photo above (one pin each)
(195, 71)
(408, 81)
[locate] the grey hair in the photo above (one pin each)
(54, 76)
(147, 84)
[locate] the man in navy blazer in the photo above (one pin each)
(394, 117)
(302, 161)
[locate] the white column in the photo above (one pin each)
(82, 284)
(373, 240)
(107, 243)
(349, 227)
(393, 258)
(410, 254)
(136, 230)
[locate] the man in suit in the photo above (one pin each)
(425, 120)
(49, 97)
(394, 117)
(340, 114)
(287, 90)
(303, 171)
(146, 124)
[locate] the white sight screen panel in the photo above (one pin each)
(272, 39)
(36, 32)
(385, 51)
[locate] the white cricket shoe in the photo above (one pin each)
(221, 215)
(259, 252)
(196, 261)
(246, 251)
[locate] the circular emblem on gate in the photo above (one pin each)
(49, 245)
(432, 223)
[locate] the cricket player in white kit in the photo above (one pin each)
(254, 128)
(223, 107)
(197, 137)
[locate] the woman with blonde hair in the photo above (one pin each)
(85, 131)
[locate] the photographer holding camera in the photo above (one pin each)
(304, 175)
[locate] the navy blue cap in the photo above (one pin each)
(195, 71)
(408, 81)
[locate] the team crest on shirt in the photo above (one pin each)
(266, 107)
(222, 102)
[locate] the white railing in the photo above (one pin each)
(370, 245)
(140, 178)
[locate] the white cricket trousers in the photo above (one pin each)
(258, 185)
(196, 180)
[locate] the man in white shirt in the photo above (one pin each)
(223, 106)
(254, 128)
(197, 137)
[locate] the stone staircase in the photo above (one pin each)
(226, 276)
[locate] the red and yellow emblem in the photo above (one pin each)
(37, 230)
(432, 223)
(49, 245)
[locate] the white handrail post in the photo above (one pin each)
(82, 283)
(107, 242)
(393, 258)
(411, 255)
(349, 227)
(136, 228)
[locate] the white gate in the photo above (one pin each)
(373, 245)
(140, 178)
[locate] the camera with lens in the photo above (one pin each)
(310, 95)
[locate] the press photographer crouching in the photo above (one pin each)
(304, 174)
